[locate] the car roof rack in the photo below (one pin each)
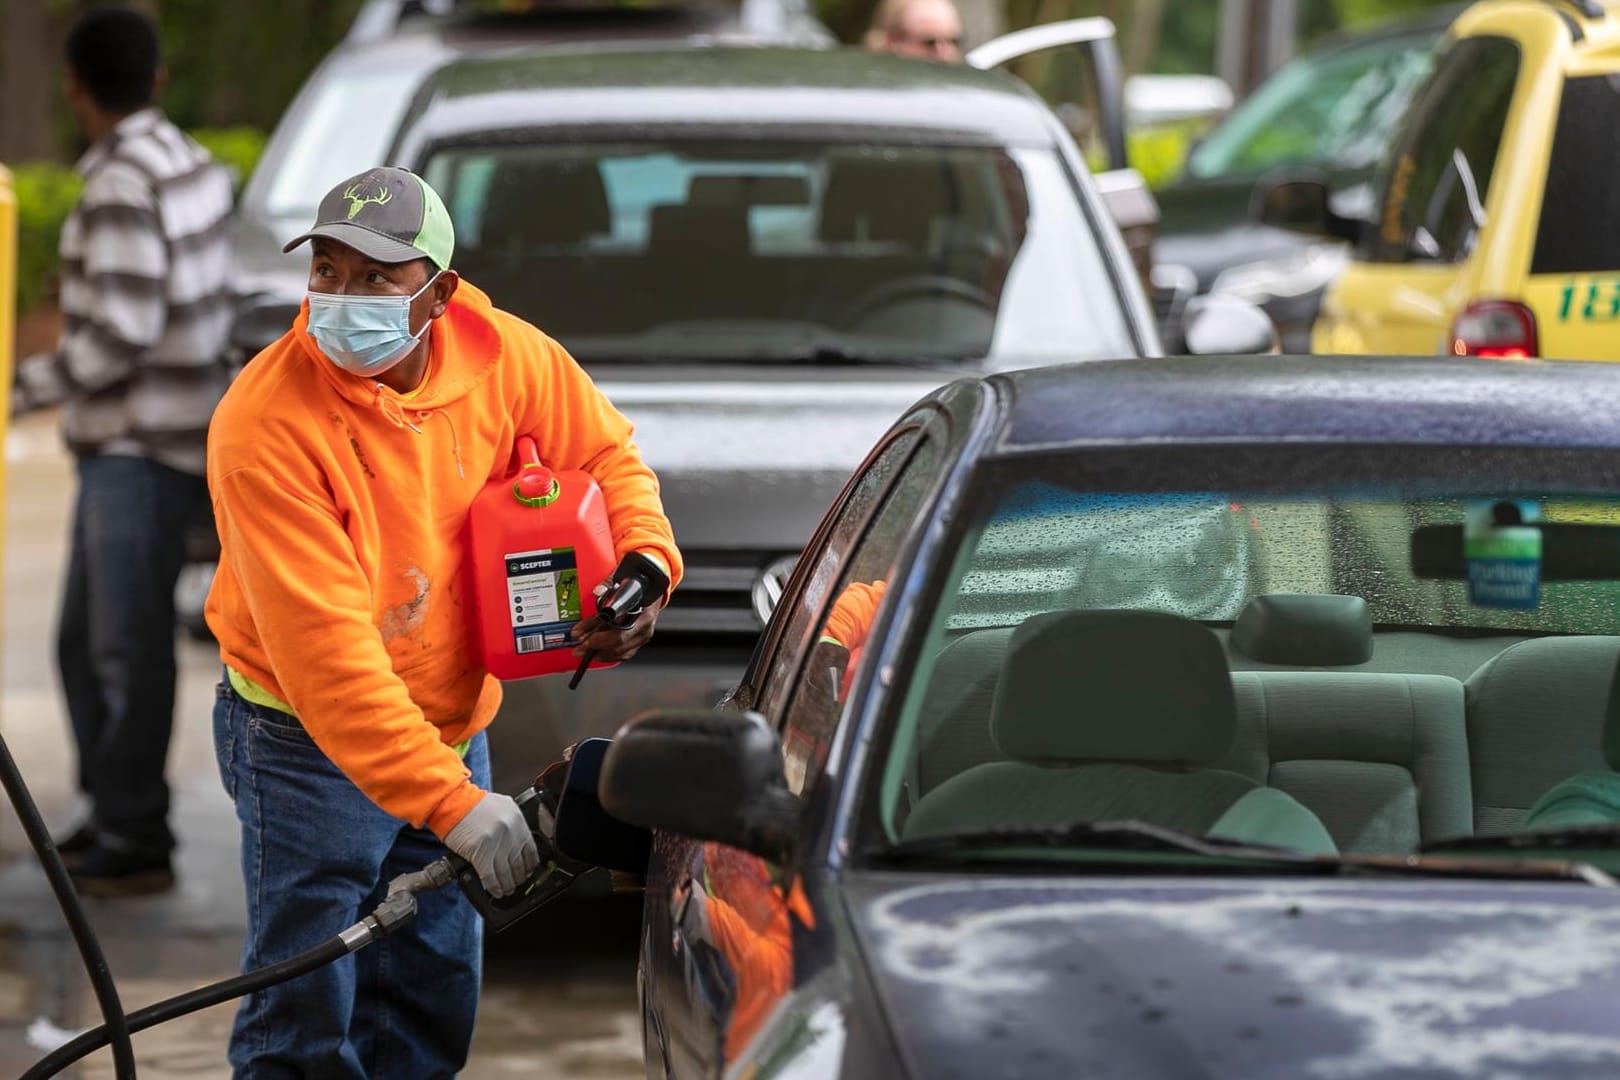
(1592, 9)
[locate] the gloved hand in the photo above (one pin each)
(495, 839)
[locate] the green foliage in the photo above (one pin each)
(1353, 13)
(1160, 152)
(241, 63)
(237, 148)
(46, 193)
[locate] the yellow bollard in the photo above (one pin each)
(8, 304)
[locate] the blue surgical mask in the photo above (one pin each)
(365, 335)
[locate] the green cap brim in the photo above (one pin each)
(373, 245)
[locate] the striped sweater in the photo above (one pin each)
(146, 300)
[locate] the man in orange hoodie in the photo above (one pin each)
(349, 727)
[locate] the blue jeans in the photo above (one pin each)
(115, 641)
(317, 856)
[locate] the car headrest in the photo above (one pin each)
(747, 189)
(708, 231)
(1082, 686)
(543, 202)
(1308, 629)
(883, 200)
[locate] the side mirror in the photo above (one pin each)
(708, 775)
(1220, 325)
(1303, 206)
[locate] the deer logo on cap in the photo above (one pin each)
(358, 199)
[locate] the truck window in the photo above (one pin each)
(1435, 184)
(1581, 189)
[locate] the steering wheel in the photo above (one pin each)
(914, 286)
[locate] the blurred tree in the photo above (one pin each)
(229, 64)
(240, 63)
(1359, 12)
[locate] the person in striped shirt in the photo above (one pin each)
(146, 306)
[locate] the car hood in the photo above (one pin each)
(750, 456)
(1014, 976)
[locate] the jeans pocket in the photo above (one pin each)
(278, 726)
(226, 723)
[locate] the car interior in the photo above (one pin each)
(1393, 737)
(1328, 711)
(911, 246)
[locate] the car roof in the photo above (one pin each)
(1278, 399)
(1593, 25)
(472, 31)
(699, 86)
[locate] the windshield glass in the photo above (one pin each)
(1255, 667)
(645, 250)
(345, 127)
(1335, 110)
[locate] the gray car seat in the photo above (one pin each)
(1537, 716)
(1111, 715)
(1381, 759)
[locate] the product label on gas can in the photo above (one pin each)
(542, 598)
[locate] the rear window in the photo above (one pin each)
(713, 249)
(1583, 195)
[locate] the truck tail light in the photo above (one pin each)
(1497, 330)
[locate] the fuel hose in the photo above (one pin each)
(115, 1027)
(397, 909)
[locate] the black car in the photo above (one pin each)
(1330, 112)
(1166, 718)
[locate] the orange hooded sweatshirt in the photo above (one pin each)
(340, 504)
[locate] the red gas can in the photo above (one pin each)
(538, 543)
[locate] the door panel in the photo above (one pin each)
(1377, 308)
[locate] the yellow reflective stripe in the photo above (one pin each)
(252, 691)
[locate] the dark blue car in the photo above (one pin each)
(1167, 718)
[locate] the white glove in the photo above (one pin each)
(495, 839)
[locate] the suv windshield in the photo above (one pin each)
(1251, 667)
(714, 249)
(344, 127)
(1333, 110)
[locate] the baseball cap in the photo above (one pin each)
(386, 214)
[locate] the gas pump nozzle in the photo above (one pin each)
(636, 581)
(572, 833)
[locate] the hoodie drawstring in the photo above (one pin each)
(395, 412)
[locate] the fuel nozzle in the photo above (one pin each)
(637, 581)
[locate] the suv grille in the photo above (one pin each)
(716, 594)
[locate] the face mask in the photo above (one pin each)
(365, 335)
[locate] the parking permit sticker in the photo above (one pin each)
(1502, 546)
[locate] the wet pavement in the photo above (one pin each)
(559, 997)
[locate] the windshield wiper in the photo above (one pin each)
(1141, 836)
(1574, 837)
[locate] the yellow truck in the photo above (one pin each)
(1496, 229)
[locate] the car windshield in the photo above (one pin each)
(789, 251)
(1336, 110)
(1365, 670)
(344, 127)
